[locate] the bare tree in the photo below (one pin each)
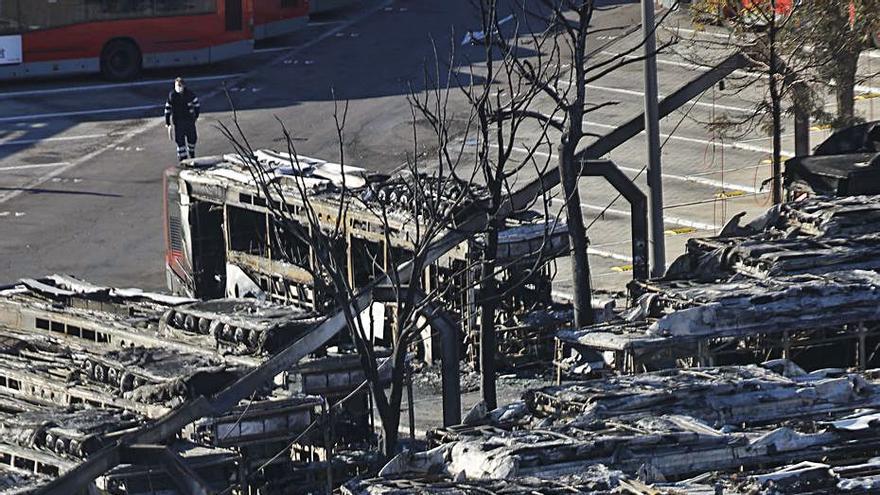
(424, 208)
(839, 33)
(783, 67)
(559, 33)
(499, 101)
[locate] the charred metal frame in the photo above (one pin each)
(638, 207)
(170, 424)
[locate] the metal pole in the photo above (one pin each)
(652, 128)
(409, 403)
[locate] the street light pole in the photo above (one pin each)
(652, 128)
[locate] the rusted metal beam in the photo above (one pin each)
(638, 207)
(522, 198)
(450, 370)
(184, 478)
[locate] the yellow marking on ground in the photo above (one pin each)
(622, 268)
(867, 96)
(729, 194)
(823, 127)
(768, 161)
(680, 231)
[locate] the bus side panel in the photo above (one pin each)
(279, 17)
(163, 41)
(152, 35)
(178, 270)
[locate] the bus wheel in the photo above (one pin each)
(120, 60)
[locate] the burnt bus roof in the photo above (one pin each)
(836, 175)
(324, 183)
(228, 179)
(845, 164)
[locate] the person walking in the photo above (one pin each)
(182, 111)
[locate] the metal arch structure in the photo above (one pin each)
(638, 204)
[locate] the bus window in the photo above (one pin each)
(185, 7)
(234, 15)
(9, 17)
(247, 231)
(101, 10)
(37, 15)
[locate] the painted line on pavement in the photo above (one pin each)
(740, 72)
(642, 94)
(683, 178)
(36, 165)
(609, 254)
(699, 32)
(323, 23)
(687, 65)
(44, 116)
(97, 87)
(738, 145)
(673, 220)
(273, 49)
(19, 142)
(873, 53)
(154, 123)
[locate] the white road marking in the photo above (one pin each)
(43, 116)
(273, 49)
(19, 142)
(727, 186)
(734, 145)
(701, 32)
(681, 222)
(153, 123)
(642, 94)
(97, 87)
(686, 65)
(740, 72)
(609, 254)
(873, 53)
(36, 165)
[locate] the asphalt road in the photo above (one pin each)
(81, 161)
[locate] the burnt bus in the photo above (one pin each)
(221, 239)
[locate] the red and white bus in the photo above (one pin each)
(279, 17)
(119, 37)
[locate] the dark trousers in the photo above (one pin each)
(185, 136)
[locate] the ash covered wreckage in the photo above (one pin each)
(750, 367)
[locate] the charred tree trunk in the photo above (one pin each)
(847, 65)
(389, 411)
(577, 235)
(776, 110)
(777, 143)
(390, 425)
(488, 338)
(569, 172)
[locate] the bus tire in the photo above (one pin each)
(121, 60)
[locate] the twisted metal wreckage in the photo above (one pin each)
(223, 380)
(238, 396)
(733, 429)
(797, 286)
(701, 424)
(82, 367)
(789, 284)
